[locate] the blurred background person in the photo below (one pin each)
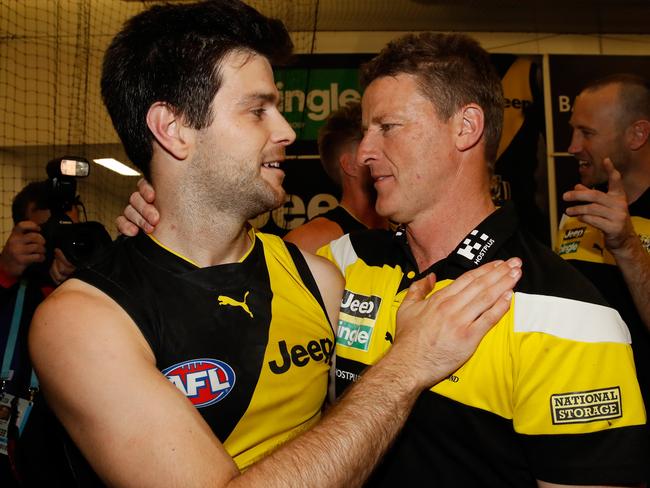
(28, 274)
(338, 141)
(606, 233)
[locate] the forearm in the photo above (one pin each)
(343, 449)
(634, 263)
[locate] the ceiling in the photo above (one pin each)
(554, 16)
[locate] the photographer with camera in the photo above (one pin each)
(26, 245)
(40, 253)
(23, 285)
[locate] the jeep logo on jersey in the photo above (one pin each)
(475, 246)
(574, 233)
(586, 406)
(361, 306)
(300, 355)
(203, 381)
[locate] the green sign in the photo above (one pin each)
(308, 96)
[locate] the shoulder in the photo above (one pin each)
(118, 257)
(373, 246)
(314, 234)
(78, 320)
(546, 273)
(324, 272)
(76, 304)
(330, 283)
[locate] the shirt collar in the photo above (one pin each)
(479, 246)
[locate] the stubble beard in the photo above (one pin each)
(232, 188)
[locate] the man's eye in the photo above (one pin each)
(386, 127)
(258, 112)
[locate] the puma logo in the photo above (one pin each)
(597, 247)
(224, 300)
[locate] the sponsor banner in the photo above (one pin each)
(309, 96)
(586, 406)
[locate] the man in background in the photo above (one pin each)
(338, 141)
(24, 283)
(606, 233)
(26, 245)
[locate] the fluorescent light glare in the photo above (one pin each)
(115, 165)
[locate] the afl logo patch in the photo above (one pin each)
(203, 381)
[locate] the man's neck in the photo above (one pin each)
(206, 239)
(361, 205)
(433, 236)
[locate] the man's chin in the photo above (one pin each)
(276, 199)
(385, 210)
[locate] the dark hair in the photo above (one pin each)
(341, 127)
(452, 71)
(173, 53)
(36, 192)
(633, 97)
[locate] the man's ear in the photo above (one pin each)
(347, 160)
(638, 134)
(168, 130)
(471, 122)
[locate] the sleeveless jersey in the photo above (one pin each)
(247, 343)
(550, 393)
(343, 218)
(584, 247)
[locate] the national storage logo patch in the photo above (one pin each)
(586, 406)
(355, 328)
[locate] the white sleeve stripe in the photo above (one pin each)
(569, 319)
(343, 252)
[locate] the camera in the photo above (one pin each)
(80, 242)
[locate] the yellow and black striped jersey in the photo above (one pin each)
(550, 394)
(248, 343)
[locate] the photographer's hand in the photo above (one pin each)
(61, 268)
(140, 212)
(24, 246)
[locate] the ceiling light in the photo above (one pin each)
(115, 165)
